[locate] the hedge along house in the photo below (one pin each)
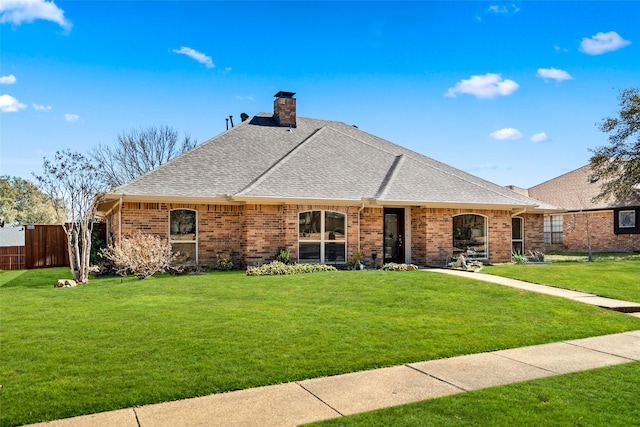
(321, 189)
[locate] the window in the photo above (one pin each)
(470, 235)
(517, 235)
(553, 229)
(322, 237)
(183, 235)
(626, 220)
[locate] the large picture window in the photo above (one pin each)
(553, 225)
(322, 237)
(183, 235)
(470, 235)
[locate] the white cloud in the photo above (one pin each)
(19, 11)
(39, 107)
(553, 73)
(194, 54)
(7, 80)
(558, 49)
(540, 137)
(488, 86)
(603, 43)
(505, 9)
(506, 134)
(244, 98)
(71, 117)
(8, 104)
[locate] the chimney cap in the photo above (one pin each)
(283, 94)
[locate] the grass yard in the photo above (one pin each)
(603, 397)
(607, 276)
(116, 343)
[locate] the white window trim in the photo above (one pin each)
(195, 242)
(322, 240)
(486, 231)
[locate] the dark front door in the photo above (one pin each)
(393, 235)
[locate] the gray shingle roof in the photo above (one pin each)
(316, 160)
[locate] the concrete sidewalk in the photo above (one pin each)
(318, 399)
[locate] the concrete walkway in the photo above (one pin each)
(613, 304)
(318, 399)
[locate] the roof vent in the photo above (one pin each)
(284, 109)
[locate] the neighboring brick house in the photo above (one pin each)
(321, 189)
(608, 226)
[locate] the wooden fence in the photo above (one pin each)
(46, 246)
(12, 258)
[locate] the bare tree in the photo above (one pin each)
(72, 178)
(138, 152)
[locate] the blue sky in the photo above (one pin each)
(509, 91)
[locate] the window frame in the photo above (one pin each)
(553, 229)
(179, 241)
(324, 239)
(457, 250)
(521, 239)
(633, 228)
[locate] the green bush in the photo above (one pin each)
(392, 266)
(518, 258)
(283, 256)
(223, 263)
(276, 268)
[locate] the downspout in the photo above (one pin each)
(359, 212)
(120, 222)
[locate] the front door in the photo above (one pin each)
(394, 235)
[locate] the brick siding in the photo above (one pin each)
(582, 228)
(251, 234)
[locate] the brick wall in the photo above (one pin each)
(251, 234)
(597, 227)
(372, 236)
(533, 233)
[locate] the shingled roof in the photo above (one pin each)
(260, 160)
(575, 191)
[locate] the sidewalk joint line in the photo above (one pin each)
(136, 414)
(436, 378)
(525, 363)
(601, 351)
(318, 397)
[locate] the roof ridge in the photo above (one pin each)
(418, 157)
(263, 176)
(390, 177)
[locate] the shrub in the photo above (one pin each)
(223, 263)
(536, 256)
(279, 268)
(464, 262)
(141, 255)
(392, 266)
(518, 258)
(354, 260)
(283, 256)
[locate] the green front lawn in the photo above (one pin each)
(606, 276)
(604, 397)
(117, 343)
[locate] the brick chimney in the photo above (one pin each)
(284, 109)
